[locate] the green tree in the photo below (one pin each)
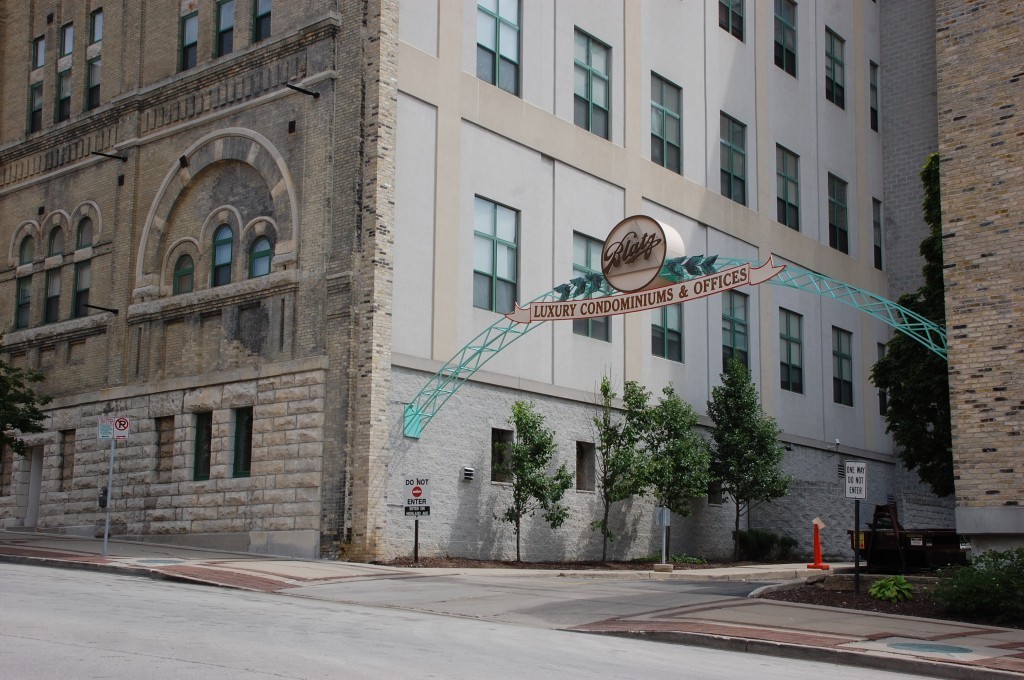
(621, 459)
(525, 462)
(679, 457)
(20, 406)
(746, 455)
(915, 379)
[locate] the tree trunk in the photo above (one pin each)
(736, 536)
(518, 536)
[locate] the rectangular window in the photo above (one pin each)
(67, 459)
(787, 168)
(96, 27)
(225, 27)
(83, 279)
(6, 470)
(666, 124)
(203, 448)
(501, 442)
(734, 327)
(63, 109)
(52, 295)
(189, 41)
(715, 493)
(835, 76)
(667, 332)
(495, 231)
(876, 230)
(791, 351)
(785, 36)
(838, 224)
(733, 158)
(730, 16)
(67, 39)
(497, 43)
(94, 74)
(164, 448)
(242, 466)
(586, 466)
(873, 95)
(586, 260)
(842, 366)
(35, 114)
(39, 52)
(261, 20)
(23, 303)
(591, 88)
(883, 397)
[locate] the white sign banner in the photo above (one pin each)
(684, 291)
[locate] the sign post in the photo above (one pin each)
(417, 505)
(856, 486)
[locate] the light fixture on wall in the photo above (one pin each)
(314, 95)
(123, 159)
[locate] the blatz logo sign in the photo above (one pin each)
(632, 258)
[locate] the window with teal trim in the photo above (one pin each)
(260, 256)
(666, 124)
(842, 366)
(733, 158)
(785, 36)
(876, 230)
(838, 218)
(586, 259)
(497, 43)
(223, 240)
(787, 169)
(495, 232)
(667, 332)
(791, 351)
(730, 17)
(734, 328)
(591, 88)
(184, 275)
(835, 69)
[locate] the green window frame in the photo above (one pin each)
(27, 250)
(23, 302)
(733, 158)
(873, 94)
(838, 217)
(791, 351)
(591, 84)
(96, 27)
(260, 256)
(835, 69)
(225, 39)
(787, 169)
(67, 39)
(730, 17)
(223, 242)
(189, 55)
(202, 453)
(39, 52)
(498, 43)
(83, 281)
(261, 21)
(495, 256)
(242, 463)
(93, 81)
(667, 332)
(62, 111)
(666, 124)
(184, 275)
(56, 242)
(735, 336)
(84, 237)
(586, 259)
(785, 36)
(842, 366)
(876, 230)
(35, 108)
(51, 307)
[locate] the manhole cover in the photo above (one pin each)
(170, 561)
(931, 647)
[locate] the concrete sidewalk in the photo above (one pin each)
(895, 643)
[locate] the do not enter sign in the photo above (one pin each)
(417, 497)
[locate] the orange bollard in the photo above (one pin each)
(818, 564)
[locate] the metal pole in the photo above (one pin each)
(110, 496)
(856, 550)
(416, 543)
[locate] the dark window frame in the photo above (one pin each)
(242, 460)
(785, 36)
(93, 82)
(262, 22)
(873, 94)
(586, 466)
(666, 114)
(184, 275)
(491, 284)
(842, 366)
(835, 68)
(500, 440)
(588, 113)
(224, 40)
(666, 341)
(188, 55)
(260, 258)
(735, 327)
(96, 26)
(67, 39)
(598, 328)
(39, 52)
(730, 17)
(791, 352)
(876, 232)
(62, 108)
(838, 214)
(733, 158)
(203, 450)
(787, 187)
(35, 107)
(220, 274)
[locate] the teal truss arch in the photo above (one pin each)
(499, 335)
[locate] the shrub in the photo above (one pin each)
(688, 559)
(891, 589)
(759, 545)
(990, 589)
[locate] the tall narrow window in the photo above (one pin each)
(225, 27)
(501, 442)
(591, 89)
(586, 466)
(261, 20)
(23, 302)
(63, 109)
(787, 168)
(222, 246)
(667, 332)
(259, 258)
(94, 73)
(733, 158)
(785, 36)
(67, 459)
(666, 124)
(52, 310)
(84, 239)
(791, 351)
(876, 230)
(35, 112)
(203, 446)
(497, 43)
(189, 41)
(835, 75)
(586, 260)
(730, 16)
(242, 466)
(734, 327)
(96, 27)
(842, 366)
(873, 95)
(83, 281)
(883, 396)
(39, 52)
(495, 230)
(838, 225)
(67, 39)
(26, 251)
(164, 426)
(56, 246)
(184, 275)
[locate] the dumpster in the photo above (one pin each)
(886, 547)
